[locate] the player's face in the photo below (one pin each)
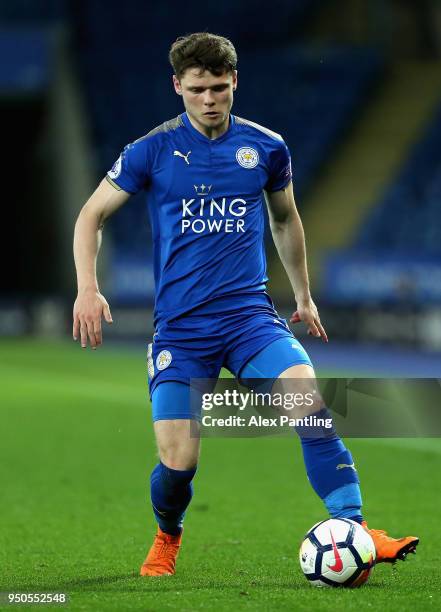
(207, 98)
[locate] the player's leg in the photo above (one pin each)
(332, 474)
(171, 487)
(180, 352)
(329, 464)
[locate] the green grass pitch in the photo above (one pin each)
(76, 452)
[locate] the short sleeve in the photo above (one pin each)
(280, 173)
(130, 172)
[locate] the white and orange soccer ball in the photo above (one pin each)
(337, 553)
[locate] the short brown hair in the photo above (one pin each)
(204, 51)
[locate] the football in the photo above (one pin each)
(337, 553)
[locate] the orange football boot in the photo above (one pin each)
(390, 549)
(161, 559)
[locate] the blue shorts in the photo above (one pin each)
(199, 344)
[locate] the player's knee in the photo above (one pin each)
(178, 443)
(300, 392)
(183, 456)
(176, 462)
(301, 371)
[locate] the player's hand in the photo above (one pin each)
(90, 306)
(308, 313)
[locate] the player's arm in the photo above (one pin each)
(289, 238)
(90, 305)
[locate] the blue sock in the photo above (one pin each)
(171, 492)
(331, 472)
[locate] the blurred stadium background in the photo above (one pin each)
(353, 85)
(355, 88)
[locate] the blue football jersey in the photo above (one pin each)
(205, 202)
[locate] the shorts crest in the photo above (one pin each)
(163, 360)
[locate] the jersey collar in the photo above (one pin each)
(197, 134)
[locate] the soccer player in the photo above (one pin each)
(205, 173)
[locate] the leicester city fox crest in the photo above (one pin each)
(247, 157)
(163, 360)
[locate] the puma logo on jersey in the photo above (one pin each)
(179, 154)
(340, 466)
